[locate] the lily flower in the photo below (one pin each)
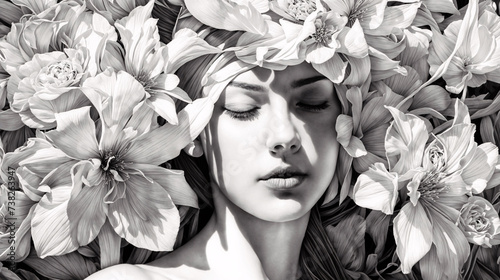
(437, 177)
(148, 62)
(466, 55)
(115, 166)
(370, 14)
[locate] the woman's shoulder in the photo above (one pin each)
(128, 272)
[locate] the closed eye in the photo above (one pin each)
(313, 107)
(246, 115)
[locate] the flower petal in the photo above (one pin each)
(413, 235)
(405, 141)
(166, 142)
(452, 248)
(69, 266)
(186, 46)
(146, 217)
(164, 105)
(50, 226)
(87, 213)
(109, 244)
(334, 69)
(173, 182)
(228, 15)
(376, 189)
(480, 168)
(73, 127)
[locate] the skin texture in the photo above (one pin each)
(263, 120)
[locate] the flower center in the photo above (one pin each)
(323, 34)
(356, 12)
(113, 166)
(478, 221)
(61, 73)
(430, 187)
(300, 9)
(437, 158)
(145, 81)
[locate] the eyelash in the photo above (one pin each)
(251, 114)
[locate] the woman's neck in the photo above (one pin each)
(257, 244)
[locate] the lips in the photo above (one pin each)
(284, 178)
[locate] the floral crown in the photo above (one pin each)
(83, 83)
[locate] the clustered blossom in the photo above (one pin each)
(84, 83)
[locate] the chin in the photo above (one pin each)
(283, 210)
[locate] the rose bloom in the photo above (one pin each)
(479, 222)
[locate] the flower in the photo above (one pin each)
(15, 213)
(438, 176)
(467, 51)
(48, 84)
(147, 62)
(479, 222)
(112, 170)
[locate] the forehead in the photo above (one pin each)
(286, 77)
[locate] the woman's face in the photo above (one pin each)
(271, 144)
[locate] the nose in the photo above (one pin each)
(284, 139)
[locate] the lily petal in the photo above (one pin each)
(376, 189)
(75, 126)
(413, 235)
(164, 105)
(147, 218)
(109, 244)
(50, 226)
(228, 15)
(480, 168)
(87, 213)
(334, 68)
(166, 142)
(173, 181)
(405, 141)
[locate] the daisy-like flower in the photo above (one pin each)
(110, 186)
(437, 177)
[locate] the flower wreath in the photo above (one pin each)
(82, 84)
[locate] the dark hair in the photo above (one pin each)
(318, 258)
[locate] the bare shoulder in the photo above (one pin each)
(127, 272)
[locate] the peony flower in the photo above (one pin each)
(479, 222)
(293, 10)
(48, 84)
(96, 184)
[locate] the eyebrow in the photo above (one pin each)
(295, 84)
(306, 81)
(246, 86)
